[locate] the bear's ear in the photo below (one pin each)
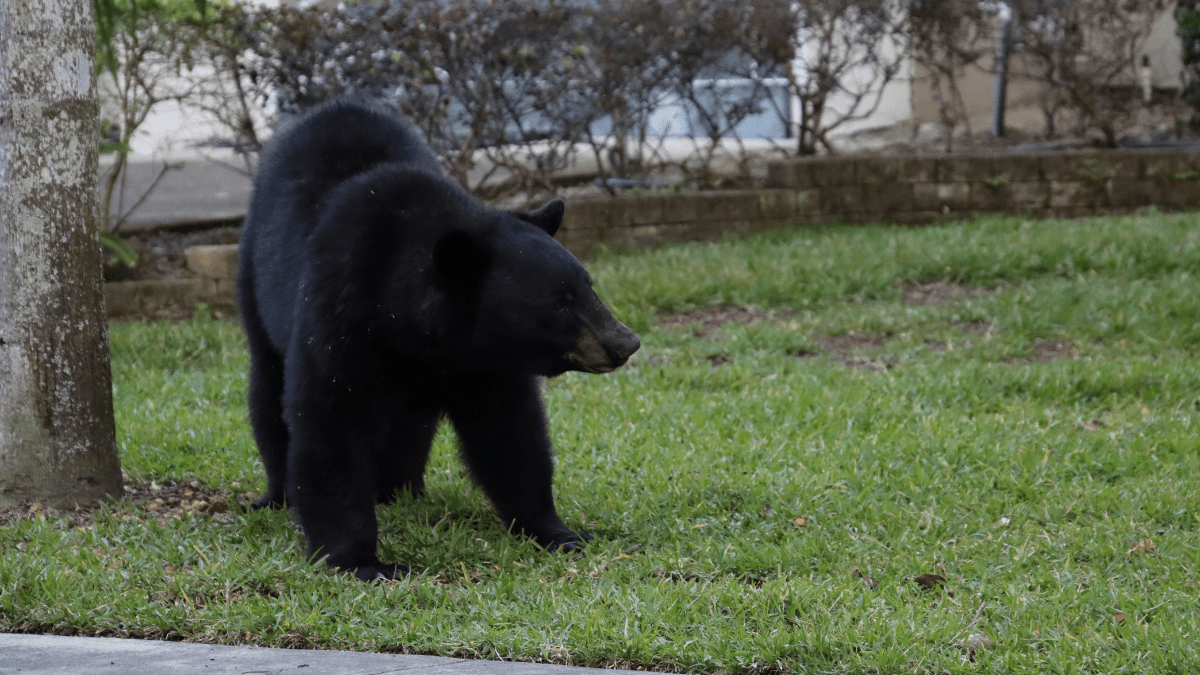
(460, 260)
(549, 217)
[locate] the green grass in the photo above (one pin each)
(1059, 497)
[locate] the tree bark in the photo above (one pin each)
(57, 441)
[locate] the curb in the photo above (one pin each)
(60, 655)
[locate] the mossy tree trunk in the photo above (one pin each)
(57, 443)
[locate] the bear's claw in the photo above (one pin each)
(266, 502)
(379, 572)
(567, 544)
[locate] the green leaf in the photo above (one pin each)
(120, 248)
(114, 146)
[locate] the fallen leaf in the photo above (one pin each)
(1143, 546)
(928, 581)
(975, 642)
(869, 581)
(800, 521)
(1120, 618)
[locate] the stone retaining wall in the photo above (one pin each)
(642, 219)
(925, 189)
(907, 190)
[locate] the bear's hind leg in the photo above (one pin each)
(502, 429)
(401, 462)
(266, 412)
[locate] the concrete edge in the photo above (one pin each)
(62, 655)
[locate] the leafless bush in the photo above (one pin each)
(945, 37)
(847, 52)
(145, 49)
(228, 88)
(511, 94)
(1085, 52)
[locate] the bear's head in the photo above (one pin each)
(530, 302)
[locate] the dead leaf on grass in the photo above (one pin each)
(870, 582)
(928, 581)
(1142, 547)
(975, 642)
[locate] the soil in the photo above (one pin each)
(935, 292)
(714, 317)
(848, 348)
(160, 253)
(160, 501)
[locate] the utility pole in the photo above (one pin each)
(1001, 99)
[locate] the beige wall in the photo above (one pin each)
(977, 84)
(1166, 53)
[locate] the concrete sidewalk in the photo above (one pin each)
(206, 188)
(58, 655)
(213, 186)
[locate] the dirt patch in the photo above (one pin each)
(160, 253)
(934, 292)
(161, 501)
(861, 363)
(937, 345)
(718, 360)
(714, 317)
(1045, 351)
(842, 348)
(980, 328)
(848, 342)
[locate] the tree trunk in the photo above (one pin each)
(57, 442)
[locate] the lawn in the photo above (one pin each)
(817, 419)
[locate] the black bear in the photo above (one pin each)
(377, 295)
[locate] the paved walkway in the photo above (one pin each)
(213, 185)
(57, 655)
(204, 188)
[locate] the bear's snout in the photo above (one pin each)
(622, 346)
(603, 345)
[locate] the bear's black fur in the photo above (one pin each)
(377, 296)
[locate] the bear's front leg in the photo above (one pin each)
(331, 478)
(502, 428)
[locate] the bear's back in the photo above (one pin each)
(339, 139)
(302, 171)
